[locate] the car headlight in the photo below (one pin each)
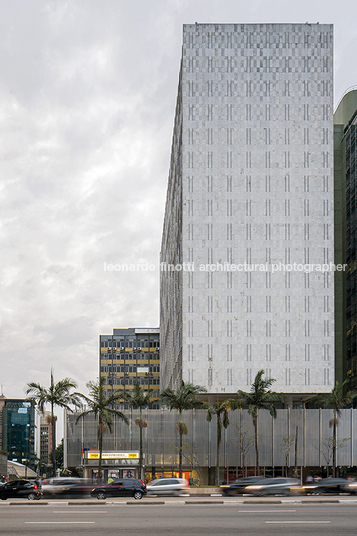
(253, 487)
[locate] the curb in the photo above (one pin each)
(177, 502)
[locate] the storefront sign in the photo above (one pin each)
(94, 455)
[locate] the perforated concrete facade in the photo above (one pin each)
(251, 193)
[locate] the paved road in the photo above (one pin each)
(179, 518)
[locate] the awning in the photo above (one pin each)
(19, 470)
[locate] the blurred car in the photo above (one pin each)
(238, 486)
(350, 487)
(122, 487)
(65, 487)
(327, 485)
(167, 486)
(19, 489)
(274, 486)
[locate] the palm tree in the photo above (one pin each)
(336, 400)
(259, 397)
(185, 397)
(139, 399)
(58, 394)
(221, 411)
(103, 408)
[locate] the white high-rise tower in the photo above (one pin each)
(250, 204)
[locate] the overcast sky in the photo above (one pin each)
(87, 101)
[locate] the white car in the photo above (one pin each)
(166, 486)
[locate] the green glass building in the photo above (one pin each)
(18, 430)
(345, 141)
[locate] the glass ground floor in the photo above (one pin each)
(298, 441)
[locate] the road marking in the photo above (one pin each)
(298, 522)
(59, 522)
(69, 511)
(265, 511)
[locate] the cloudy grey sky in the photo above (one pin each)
(87, 100)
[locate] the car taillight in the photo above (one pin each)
(143, 483)
(35, 486)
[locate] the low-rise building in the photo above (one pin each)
(308, 429)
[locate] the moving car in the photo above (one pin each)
(66, 487)
(238, 486)
(19, 489)
(167, 486)
(350, 487)
(327, 485)
(122, 487)
(274, 486)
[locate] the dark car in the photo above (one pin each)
(19, 489)
(274, 486)
(327, 485)
(238, 486)
(122, 487)
(66, 487)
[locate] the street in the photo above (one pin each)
(177, 517)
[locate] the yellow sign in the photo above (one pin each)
(111, 455)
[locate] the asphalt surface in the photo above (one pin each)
(177, 516)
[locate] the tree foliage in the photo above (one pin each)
(184, 398)
(220, 410)
(139, 399)
(57, 394)
(337, 399)
(259, 397)
(103, 408)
